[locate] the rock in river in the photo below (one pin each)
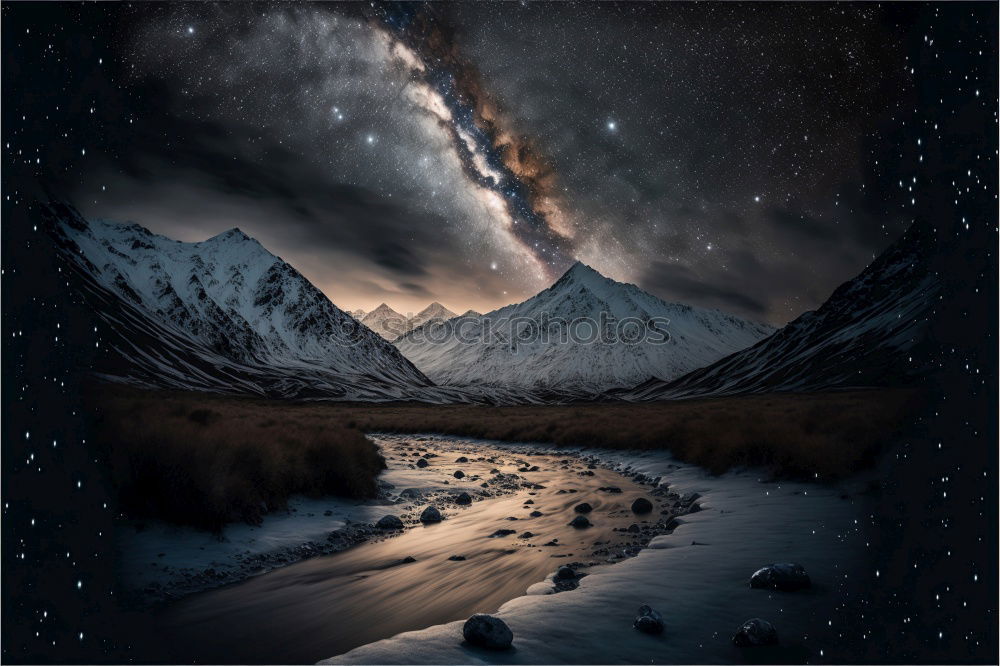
(422, 463)
(565, 573)
(755, 632)
(459, 474)
(389, 523)
(463, 498)
(642, 505)
(579, 521)
(487, 631)
(430, 515)
(648, 621)
(787, 576)
(583, 507)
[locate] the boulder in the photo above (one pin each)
(487, 632)
(754, 633)
(459, 474)
(462, 459)
(565, 573)
(422, 463)
(430, 515)
(389, 522)
(580, 522)
(463, 498)
(583, 507)
(786, 576)
(648, 621)
(642, 505)
(535, 514)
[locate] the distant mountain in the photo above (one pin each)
(222, 315)
(866, 334)
(433, 312)
(357, 314)
(390, 324)
(470, 313)
(500, 349)
(386, 322)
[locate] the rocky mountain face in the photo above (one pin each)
(868, 333)
(583, 335)
(223, 314)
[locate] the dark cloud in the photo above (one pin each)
(682, 284)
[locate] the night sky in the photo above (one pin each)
(716, 155)
(633, 137)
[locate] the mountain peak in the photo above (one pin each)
(435, 308)
(235, 234)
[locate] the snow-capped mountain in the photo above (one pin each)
(601, 334)
(390, 324)
(470, 313)
(433, 312)
(223, 314)
(386, 322)
(357, 314)
(868, 333)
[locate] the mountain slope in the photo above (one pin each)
(433, 312)
(866, 334)
(223, 315)
(386, 322)
(508, 348)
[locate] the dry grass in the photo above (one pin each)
(197, 460)
(208, 459)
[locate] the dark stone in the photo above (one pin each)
(614, 490)
(389, 523)
(583, 507)
(535, 514)
(501, 533)
(786, 576)
(459, 474)
(633, 528)
(487, 632)
(457, 558)
(642, 505)
(430, 515)
(463, 498)
(565, 573)
(463, 459)
(580, 522)
(408, 559)
(422, 463)
(754, 633)
(529, 501)
(648, 621)
(526, 535)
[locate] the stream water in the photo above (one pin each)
(426, 574)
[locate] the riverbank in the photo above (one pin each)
(696, 577)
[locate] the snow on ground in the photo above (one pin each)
(697, 577)
(161, 561)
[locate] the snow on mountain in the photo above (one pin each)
(390, 324)
(357, 314)
(433, 312)
(223, 314)
(386, 322)
(868, 333)
(470, 313)
(581, 336)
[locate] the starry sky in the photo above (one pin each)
(716, 155)
(636, 136)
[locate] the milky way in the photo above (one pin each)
(728, 156)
